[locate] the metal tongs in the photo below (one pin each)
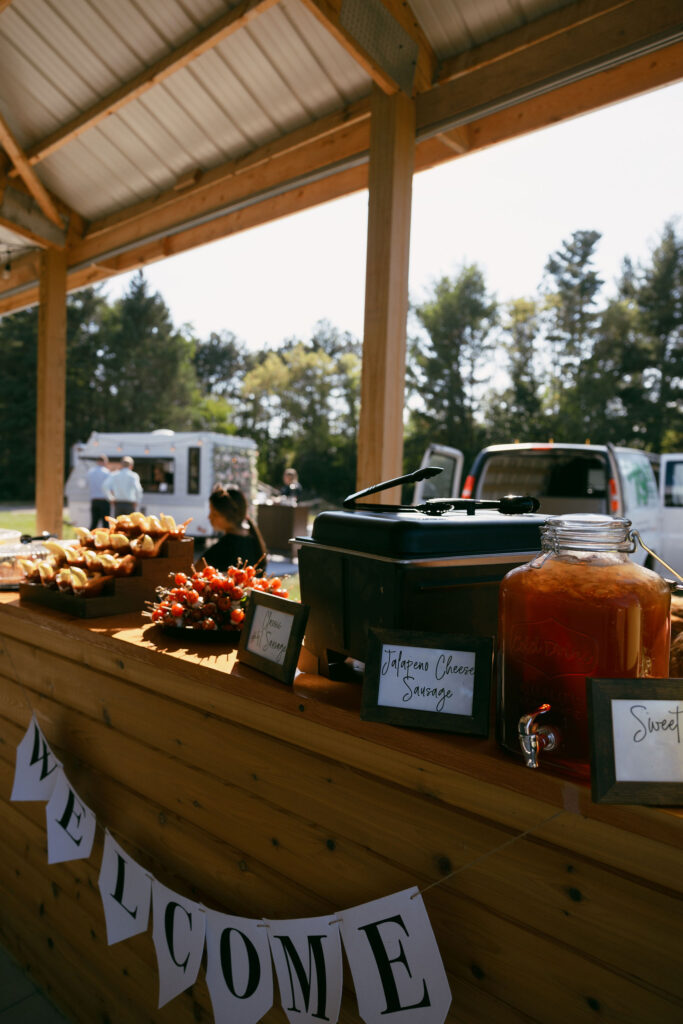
(510, 504)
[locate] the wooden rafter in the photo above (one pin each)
(4, 4)
(179, 58)
(28, 175)
(329, 13)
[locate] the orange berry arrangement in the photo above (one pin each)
(210, 599)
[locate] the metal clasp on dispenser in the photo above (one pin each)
(534, 738)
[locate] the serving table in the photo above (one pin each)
(268, 801)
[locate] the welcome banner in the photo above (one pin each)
(389, 944)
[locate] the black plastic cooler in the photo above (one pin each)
(406, 569)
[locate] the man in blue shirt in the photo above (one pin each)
(99, 502)
(124, 488)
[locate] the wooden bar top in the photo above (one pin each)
(323, 715)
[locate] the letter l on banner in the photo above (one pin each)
(397, 969)
(126, 891)
(308, 963)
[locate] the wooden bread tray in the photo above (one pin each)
(122, 594)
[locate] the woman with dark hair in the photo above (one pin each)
(241, 536)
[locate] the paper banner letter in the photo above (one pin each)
(35, 773)
(126, 892)
(178, 932)
(70, 824)
(239, 970)
(397, 969)
(308, 963)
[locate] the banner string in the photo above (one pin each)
(432, 885)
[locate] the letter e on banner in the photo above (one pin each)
(126, 891)
(178, 931)
(239, 970)
(397, 969)
(35, 772)
(70, 824)
(308, 964)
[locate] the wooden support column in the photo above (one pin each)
(392, 151)
(51, 392)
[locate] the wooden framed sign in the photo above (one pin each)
(271, 636)
(428, 680)
(636, 740)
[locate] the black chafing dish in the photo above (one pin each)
(434, 567)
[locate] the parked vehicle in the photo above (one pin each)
(671, 496)
(576, 478)
(177, 471)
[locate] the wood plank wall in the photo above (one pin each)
(249, 807)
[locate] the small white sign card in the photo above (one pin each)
(272, 633)
(239, 969)
(308, 964)
(178, 931)
(36, 767)
(428, 680)
(398, 973)
(636, 740)
(126, 891)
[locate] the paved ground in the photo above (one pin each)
(21, 1001)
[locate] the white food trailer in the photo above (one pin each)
(178, 471)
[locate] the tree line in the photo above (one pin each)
(567, 363)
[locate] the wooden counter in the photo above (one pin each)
(266, 801)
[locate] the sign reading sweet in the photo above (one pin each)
(647, 740)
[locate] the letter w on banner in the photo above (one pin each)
(35, 772)
(397, 969)
(308, 963)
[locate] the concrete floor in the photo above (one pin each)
(21, 1001)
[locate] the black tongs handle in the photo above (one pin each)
(420, 474)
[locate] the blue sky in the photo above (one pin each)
(618, 171)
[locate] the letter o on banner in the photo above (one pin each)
(239, 969)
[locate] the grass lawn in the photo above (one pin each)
(25, 522)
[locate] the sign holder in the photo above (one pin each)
(272, 634)
(636, 741)
(438, 681)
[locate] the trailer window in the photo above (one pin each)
(156, 475)
(673, 485)
(193, 470)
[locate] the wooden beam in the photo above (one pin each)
(380, 432)
(19, 213)
(209, 37)
(29, 176)
(51, 393)
(540, 30)
(582, 51)
(4, 4)
(331, 14)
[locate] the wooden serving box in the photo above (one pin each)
(122, 594)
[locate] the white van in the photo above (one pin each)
(573, 478)
(671, 494)
(177, 471)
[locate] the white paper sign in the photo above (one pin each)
(36, 767)
(70, 824)
(126, 891)
(397, 969)
(308, 964)
(178, 933)
(239, 969)
(426, 679)
(269, 633)
(648, 745)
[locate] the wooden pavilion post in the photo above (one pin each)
(392, 151)
(51, 393)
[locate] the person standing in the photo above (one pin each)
(124, 488)
(97, 477)
(291, 488)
